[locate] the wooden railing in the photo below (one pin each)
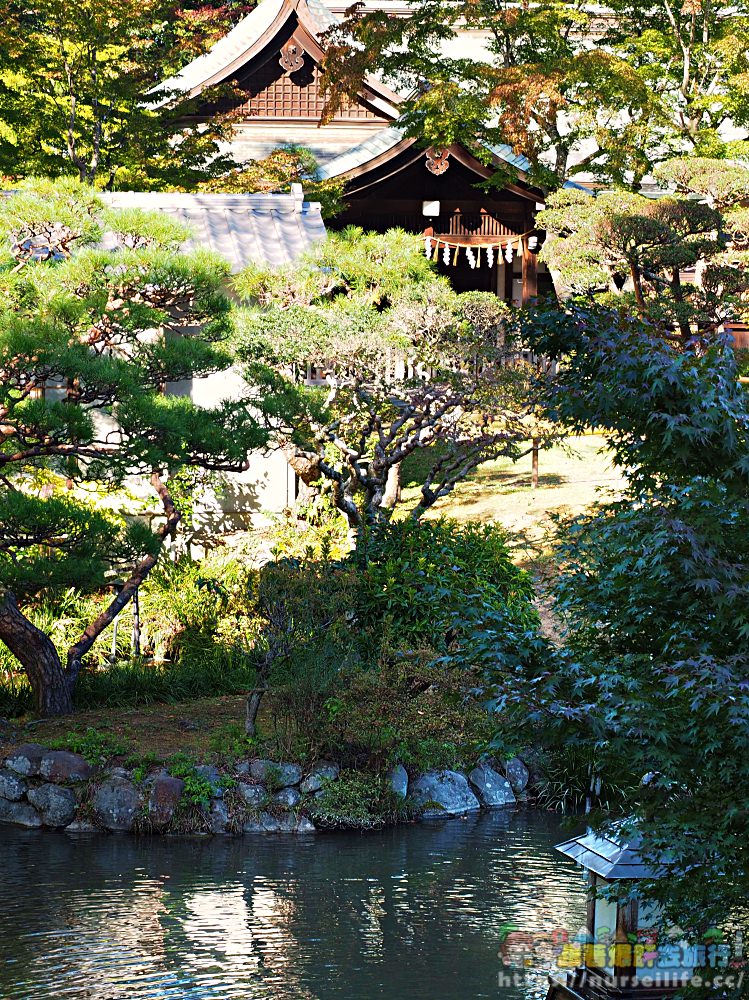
(452, 224)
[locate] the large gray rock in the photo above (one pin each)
(219, 816)
(288, 823)
(61, 765)
(320, 772)
(117, 803)
(165, 796)
(399, 780)
(278, 775)
(56, 805)
(491, 787)
(11, 786)
(265, 822)
(288, 797)
(81, 826)
(20, 813)
(254, 795)
(213, 776)
(26, 759)
(517, 774)
(447, 793)
(118, 772)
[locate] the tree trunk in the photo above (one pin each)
(253, 706)
(392, 487)
(129, 588)
(306, 466)
(678, 293)
(37, 655)
(636, 276)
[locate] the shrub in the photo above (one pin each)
(198, 789)
(95, 746)
(357, 800)
(308, 638)
(406, 711)
(420, 576)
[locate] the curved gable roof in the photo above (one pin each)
(248, 38)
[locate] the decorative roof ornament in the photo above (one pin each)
(292, 56)
(437, 161)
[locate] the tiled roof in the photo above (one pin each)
(248, 38)
(217, 61)
(322, 15)
(382, 141)
(389, 137)
(365, 151)
(244, 228)
(608, 858)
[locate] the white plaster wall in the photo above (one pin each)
(246, 499)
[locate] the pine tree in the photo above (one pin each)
(89, 339)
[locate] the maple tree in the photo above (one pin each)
(74, 86)
(572, 87)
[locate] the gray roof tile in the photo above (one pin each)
(243, 228)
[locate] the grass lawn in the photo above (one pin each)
(571, 477)
(200, 727)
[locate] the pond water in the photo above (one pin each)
(413, 912)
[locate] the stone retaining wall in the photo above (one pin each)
(40, 787)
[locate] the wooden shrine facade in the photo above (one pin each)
(282, 82)
(267, 73)
(483, 242)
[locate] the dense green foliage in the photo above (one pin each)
(74, 82)
(88, 339)
(399, 362)
(348, 648)
(358, 800)
(565, 84)
(424, 575)
(653, 589)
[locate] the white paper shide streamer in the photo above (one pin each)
(451, 251)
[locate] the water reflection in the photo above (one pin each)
(413, 912)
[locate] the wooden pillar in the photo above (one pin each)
(530, 274)
(508, 282)
(624, 950)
